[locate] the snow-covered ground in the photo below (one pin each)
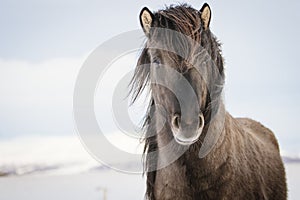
(91, 186)
(56, 155)
(60, 168)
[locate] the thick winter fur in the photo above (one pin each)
(244, 163)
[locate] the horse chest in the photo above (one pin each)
(179, 183)
(170, 183)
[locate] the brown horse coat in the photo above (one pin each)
(244, 163)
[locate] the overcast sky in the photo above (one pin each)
(43, 44)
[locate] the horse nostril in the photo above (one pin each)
(201, 121)
(176, 121)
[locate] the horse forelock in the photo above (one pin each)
(182, 19)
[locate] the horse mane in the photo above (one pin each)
(184, 19)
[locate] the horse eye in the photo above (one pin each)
(156, 61)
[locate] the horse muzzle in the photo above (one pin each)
(187, 131)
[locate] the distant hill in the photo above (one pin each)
(287, 159)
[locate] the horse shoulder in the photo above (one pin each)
(261, 160)
(258, 130)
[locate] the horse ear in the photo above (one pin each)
(205, 13)
(146, 19)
